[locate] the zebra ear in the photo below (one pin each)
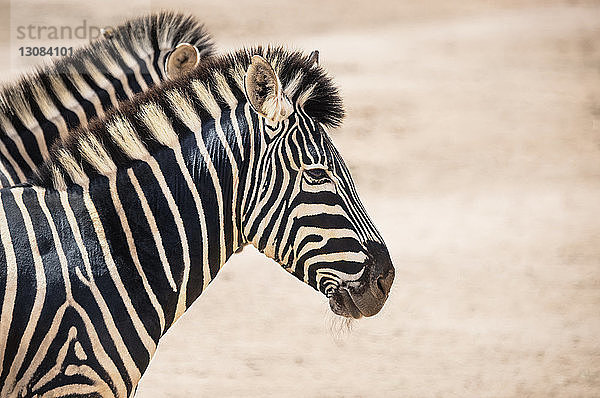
(313, 58)
(184, 58)
(264, 91)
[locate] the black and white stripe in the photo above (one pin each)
(44, 105)
(130, 219)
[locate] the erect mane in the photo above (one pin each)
(302, 81)
(215, 84)
(144, 36)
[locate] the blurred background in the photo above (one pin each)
(473, 134)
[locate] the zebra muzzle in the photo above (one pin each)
(367, 297)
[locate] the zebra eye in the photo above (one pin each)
(317, 174)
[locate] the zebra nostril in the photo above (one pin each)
(380, 285)
(383, 284)
(382, 271)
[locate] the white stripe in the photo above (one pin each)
(50, 112)
(235, 182)
(101, 81)
(161, 64)
(285, 257)
(115, 70)
(6, 175)
(132, 64)
(338, 275)
(150, 67)
(206, 276)
(253, 156)
(26, 117)
(238, 134)
(324, 232)
(226, 93)
(68, 101)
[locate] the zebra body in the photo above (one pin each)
(130, 219)
(44, 105)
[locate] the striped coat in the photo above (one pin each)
(129, 220)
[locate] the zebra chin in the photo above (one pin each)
(367, 295)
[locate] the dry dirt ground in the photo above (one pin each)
(473, 133)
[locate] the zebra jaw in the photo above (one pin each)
(340, 299)
(341, 303)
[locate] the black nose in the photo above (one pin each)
(382, 272)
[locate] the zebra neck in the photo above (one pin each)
(175, 218)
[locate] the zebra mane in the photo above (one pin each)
(145, 124)
(144, 36)
(303, 82)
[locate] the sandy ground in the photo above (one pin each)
(473, 133)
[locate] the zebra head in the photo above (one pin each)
(303, 210)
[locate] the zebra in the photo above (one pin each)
(44, 105)
(131, 218)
